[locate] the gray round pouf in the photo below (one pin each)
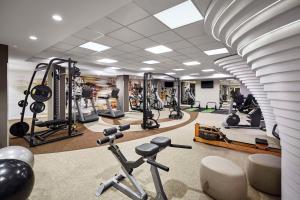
(222, 179)
(264, 173)
(18, 153)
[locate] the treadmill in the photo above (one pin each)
(110, 112)
(87, 94)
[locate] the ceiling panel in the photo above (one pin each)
(111, 52)
(165, 37)
(148, 26)
(74, 41)
(179, 44)
(144, 43)
(128, 14)
(108, 41)
(125, 35)
(88, 34)
(78, 51)
(189, 50)
(105, 26)
(155, 6)
(64, 46)
(127, 48)
(201, 40)
(191, 30)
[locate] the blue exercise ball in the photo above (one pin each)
(16, 179)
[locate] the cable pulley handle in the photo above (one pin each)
(110, 131)
(160, 166)
(181, 146)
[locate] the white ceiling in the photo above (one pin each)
(127, 26)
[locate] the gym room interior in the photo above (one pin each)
(150, 99)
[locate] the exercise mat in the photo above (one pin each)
(194, 109)
(222, 111)
(208, 110)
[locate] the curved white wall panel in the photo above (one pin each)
(266, 34)
(239, 68)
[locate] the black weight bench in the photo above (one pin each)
(51, 123)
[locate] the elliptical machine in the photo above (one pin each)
(148, 153)
(175, 110)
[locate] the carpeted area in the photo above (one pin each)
(75, 175)
(93, 131)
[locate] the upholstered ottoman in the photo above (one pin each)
(222, 179)
(264, 173)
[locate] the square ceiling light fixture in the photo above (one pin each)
(191, 63)
(195, 74)
(216, 51)
(115, 68)
(208, 70)
(147, 69)
(107, 60)
(178, 69)
(171, 73)
(94, 46)
(151, 62)
(159, 49)
(180, 15)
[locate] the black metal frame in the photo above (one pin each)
(147, 113)
(39, 138)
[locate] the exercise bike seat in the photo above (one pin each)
(147, 149)
(162, 142)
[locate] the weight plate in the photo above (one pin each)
(37, 107)
(19, 129)
(21, 103)
(41, 93)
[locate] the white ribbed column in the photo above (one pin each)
(266, 34)
(239, 68)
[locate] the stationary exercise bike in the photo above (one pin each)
(148, 153)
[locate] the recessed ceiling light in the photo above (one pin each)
(151, 62)
(94, 46)
(57, 18)
(216, 51)
(159, 49)
(191, 63)
(107, 60)
(171, 73)
(194, 74)
(180, 15)
(178, 70)
(208, 70)
(115, 68)
(32, 37)
(147, 68)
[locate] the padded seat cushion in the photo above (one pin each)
(162, 142)
(147, 149)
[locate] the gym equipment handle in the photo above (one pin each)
(124, 127)
(107, 139)
(110, 131)
(103, 141)
(180, 146)
(160, 166)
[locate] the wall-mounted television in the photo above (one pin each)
(169, 84)
(207, 84)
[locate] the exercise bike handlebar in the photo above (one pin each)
(156, 164)
(180, 146)
(108, 139)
